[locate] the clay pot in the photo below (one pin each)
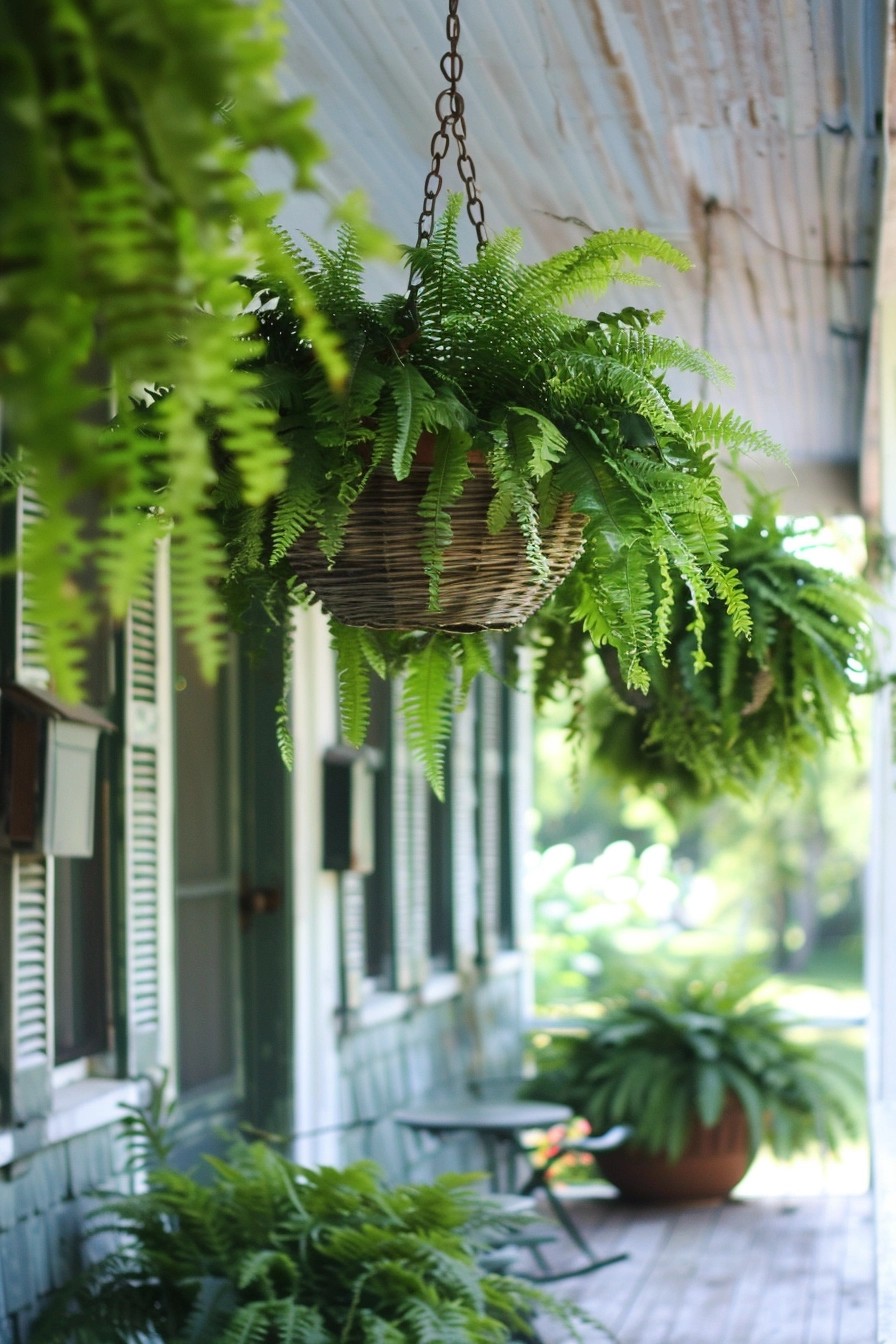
(713, 1162)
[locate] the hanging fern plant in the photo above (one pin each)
(488, 365)
(721, 713)
(127, 128)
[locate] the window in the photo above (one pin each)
(81, 940)
(494, 792)
(506, 906)
(207, 875)
(378, 912)
(441, 879)
(82, 893)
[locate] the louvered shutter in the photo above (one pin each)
(29, 879)
(29, 666)
(410, 821)
(464, 856)
(490, 834)
(351, 938)
(148, 839)
(30, 906)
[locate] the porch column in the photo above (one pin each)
(880, 936)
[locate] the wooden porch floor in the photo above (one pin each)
(764, 1269)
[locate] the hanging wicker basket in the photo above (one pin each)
(377, 580)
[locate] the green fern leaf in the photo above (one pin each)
(426, 701)
(445, 484)
(537, 443)
(353, 673)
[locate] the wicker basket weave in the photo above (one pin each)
(377, 579)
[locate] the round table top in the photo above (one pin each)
(495, 1117)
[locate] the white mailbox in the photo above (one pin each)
(48, 751)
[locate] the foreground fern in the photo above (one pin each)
(483, 357)
(266, 1252)
(127, 128)
(721, 713)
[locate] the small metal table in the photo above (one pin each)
(500, 1125)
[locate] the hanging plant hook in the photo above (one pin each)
(450, 112)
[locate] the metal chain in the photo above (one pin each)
(450, 112)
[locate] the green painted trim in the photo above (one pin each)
(266, 937)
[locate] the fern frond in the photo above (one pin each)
(426, 703)
(473, 657)
(401, 416)
(353, 674)
(445, 484)
(298, 506)
(589, 267)
(726, 429)
(536, 442)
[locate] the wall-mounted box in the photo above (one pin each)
(350, 809)
(48, 752)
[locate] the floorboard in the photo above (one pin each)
(787, 1269)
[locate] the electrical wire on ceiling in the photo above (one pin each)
(830, 263)
(711, 203)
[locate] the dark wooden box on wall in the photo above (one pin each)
(48, 753)
(349, 810)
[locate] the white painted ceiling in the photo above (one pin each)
(748, 132)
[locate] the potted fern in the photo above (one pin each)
(261, 1249)
(478, 391)
(721, 713)
(703, 1072)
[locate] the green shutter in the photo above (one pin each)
(148, 848)
(27, 900)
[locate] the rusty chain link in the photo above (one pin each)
(450, 112)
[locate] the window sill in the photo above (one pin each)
(507, 962)
(440, 987)
(78, 1107)
(385, 1006)
(91, 1103)
(381, 1008)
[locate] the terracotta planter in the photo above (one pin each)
(713, 1162)
(377, 580)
